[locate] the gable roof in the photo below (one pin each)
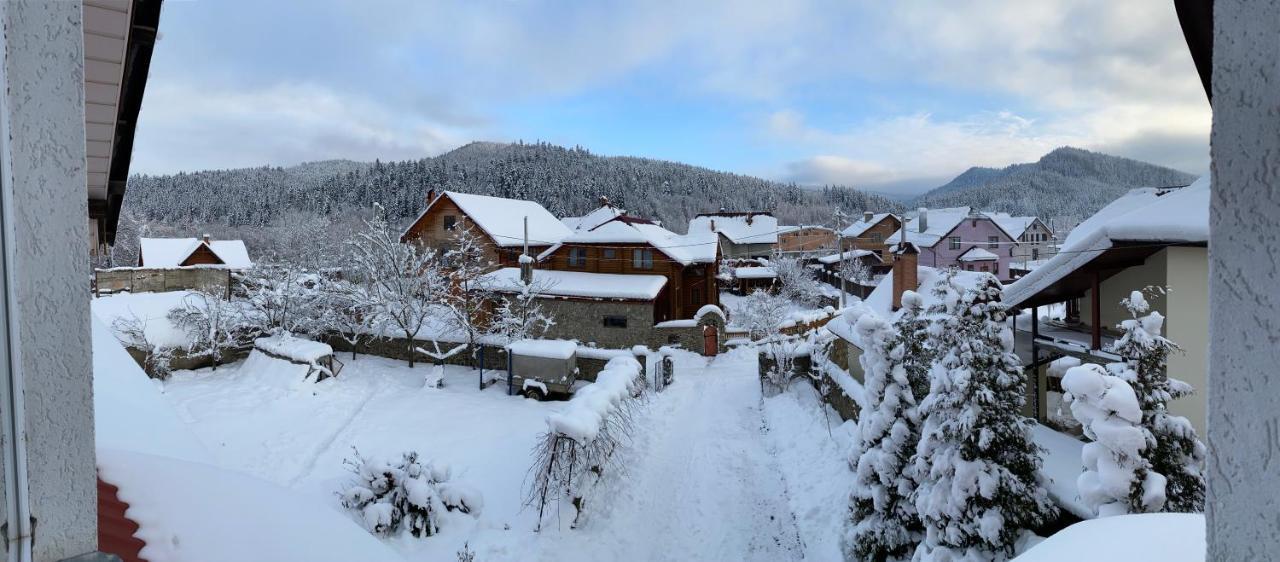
(503, 219)
(599, 216)
(977, 254)
(856, 229)
(940, 223)
(880, 301)
(171, 252)
(1015, 227)
(1147, 215)
(685, 249)
(738, 227)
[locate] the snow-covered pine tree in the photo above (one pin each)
(1176, 452)
(1116, 479)
(895, 367)
(976, 466)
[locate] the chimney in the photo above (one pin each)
(206, 239)
(906, 259)
(431, 195)
(713, 225)
(604, 201)
(749, 218)
(867, 216)
(923, 218)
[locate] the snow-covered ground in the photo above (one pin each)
(715, 472)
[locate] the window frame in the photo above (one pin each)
(953, 242)
(450, 222)
(613, 321)
(993, 242)
(577, 256)
(642, 258)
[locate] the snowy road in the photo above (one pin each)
(703, 485)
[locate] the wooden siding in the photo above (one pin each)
(430, 230)
(202, 256)
(688, 287)
(867, 240)
(806, 239)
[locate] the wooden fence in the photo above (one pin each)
(139, 280)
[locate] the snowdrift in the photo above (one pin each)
(1168, 537)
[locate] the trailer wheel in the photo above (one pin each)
(533, 393)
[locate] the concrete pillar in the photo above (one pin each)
(1244, 308)
(44, 313)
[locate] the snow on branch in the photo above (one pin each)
(577, 449)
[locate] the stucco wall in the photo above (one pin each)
(44, 100)
(1187, 311)
(1244, 387)
(1152, 272)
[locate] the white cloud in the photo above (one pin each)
(186, 127)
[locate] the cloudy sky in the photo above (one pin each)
(894, 96)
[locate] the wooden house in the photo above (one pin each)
(167, 253)
(806, 238)
(742, 234)
(872, 233)
(499, 222)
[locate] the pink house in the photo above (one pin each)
(959, 237)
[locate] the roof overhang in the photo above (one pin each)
(1074, 284)
(119, 37)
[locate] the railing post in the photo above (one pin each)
(1095, 304)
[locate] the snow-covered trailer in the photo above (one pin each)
(539, 368)
(314, 360)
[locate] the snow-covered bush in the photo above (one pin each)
(578, 448)
(390, 497)
(1116, 479)
(761, 313)
(1176, 452)
(976, 466)
(895, 363)
(132, 332)
(284, 299)
(796, 281)
(520, 316)
(213, 325)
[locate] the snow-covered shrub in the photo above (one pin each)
(388, 497)
(1176, 452)
(895, 363)
(761, 313)
(976, 466)
(284, 299)
(521, 316)
(132, 332)
(796, 281)
(1116, 479)
(213, 325)
(578, 448)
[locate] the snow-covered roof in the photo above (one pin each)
(754, 273)
(601, 215)
(977, 254)
(503, 219)
(685, 249)
(1015, 227)
(1170, 537)
(1177, 215)
(938, 222)
(296, 349)
(856, 229)
(739, 228)
(797, 228)
(579, 284)
(171, 252)
(551, 349)
(848, 254)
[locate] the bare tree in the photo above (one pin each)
(470, 294)
(404, 281)
(213, 325)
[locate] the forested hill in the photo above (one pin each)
(1066, 183)
(567, 181)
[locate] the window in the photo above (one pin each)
(995, 268)
(450, 222)
(697, 297)
(877, 238)
(955, 242)
(577, 257)
(1035, 254)
(642, 258)
(993, 242)
(968, 267)
(984, 268)
(615, 321)
(610, 254)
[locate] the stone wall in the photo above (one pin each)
(583, 320)
(138, 280)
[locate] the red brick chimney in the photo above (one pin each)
(906, 274)
(206, 239)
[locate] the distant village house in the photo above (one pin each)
(498, 222)
(744, 234)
